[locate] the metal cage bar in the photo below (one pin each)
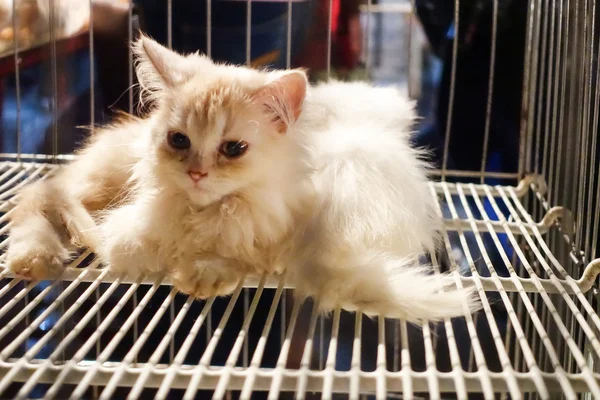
(529, 248)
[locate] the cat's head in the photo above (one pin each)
(217, 129)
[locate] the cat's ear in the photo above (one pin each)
(283, 97)
(159, 68)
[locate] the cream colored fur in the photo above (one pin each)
(329, 191)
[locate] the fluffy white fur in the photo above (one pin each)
(329, 191)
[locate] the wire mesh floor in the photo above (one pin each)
(94, 334)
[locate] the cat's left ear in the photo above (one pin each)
(283, 97)
(159, 68)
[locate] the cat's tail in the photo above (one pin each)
(382, 284)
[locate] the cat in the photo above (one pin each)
(239, 171)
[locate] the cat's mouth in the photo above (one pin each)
(197, 186)
(202, 196)
(194, 188)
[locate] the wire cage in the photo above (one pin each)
(523, 231)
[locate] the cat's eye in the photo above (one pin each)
(179, 141)
(234, 149)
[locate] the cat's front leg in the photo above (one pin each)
(127, 244)
(207, 277)
(36, 251)
(38, 242)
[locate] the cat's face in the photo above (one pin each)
(213, 143)
(221, 132)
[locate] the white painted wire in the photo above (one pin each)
(452, 88)
(248, 32)
(497, 337)
(7, 380)
(92, 68)
(114, 342)
(204, 363)
(329, 22)
(47, 364)
(17, 61)
(381, 392)
(405, 371)
(534, 349)
(12, 324)
(276, 382)
(261, 345)
(208, 27)
(457, 372)
(477, 351)
(488, 109)
(83, 350)
(52, 15)
(181, 354)
(130, 56)
(288, 47)
(241, 339)
(356, 357)
(331, 357)
(170, 24)
(307, 352)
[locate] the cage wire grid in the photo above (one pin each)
(526, 243)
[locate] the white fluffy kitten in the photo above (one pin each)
(242, 171)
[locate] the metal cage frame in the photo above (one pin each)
(164, 344)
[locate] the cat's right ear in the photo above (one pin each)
(282, 98)
(159, 68)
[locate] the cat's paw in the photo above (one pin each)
(203, 280)
(35, 250)
(124, 246)
(128, 256)
(36, 262)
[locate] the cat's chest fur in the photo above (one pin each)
(256, 230)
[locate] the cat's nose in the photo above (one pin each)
(196, 175)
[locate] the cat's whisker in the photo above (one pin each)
(135, 85)
(118, 145)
